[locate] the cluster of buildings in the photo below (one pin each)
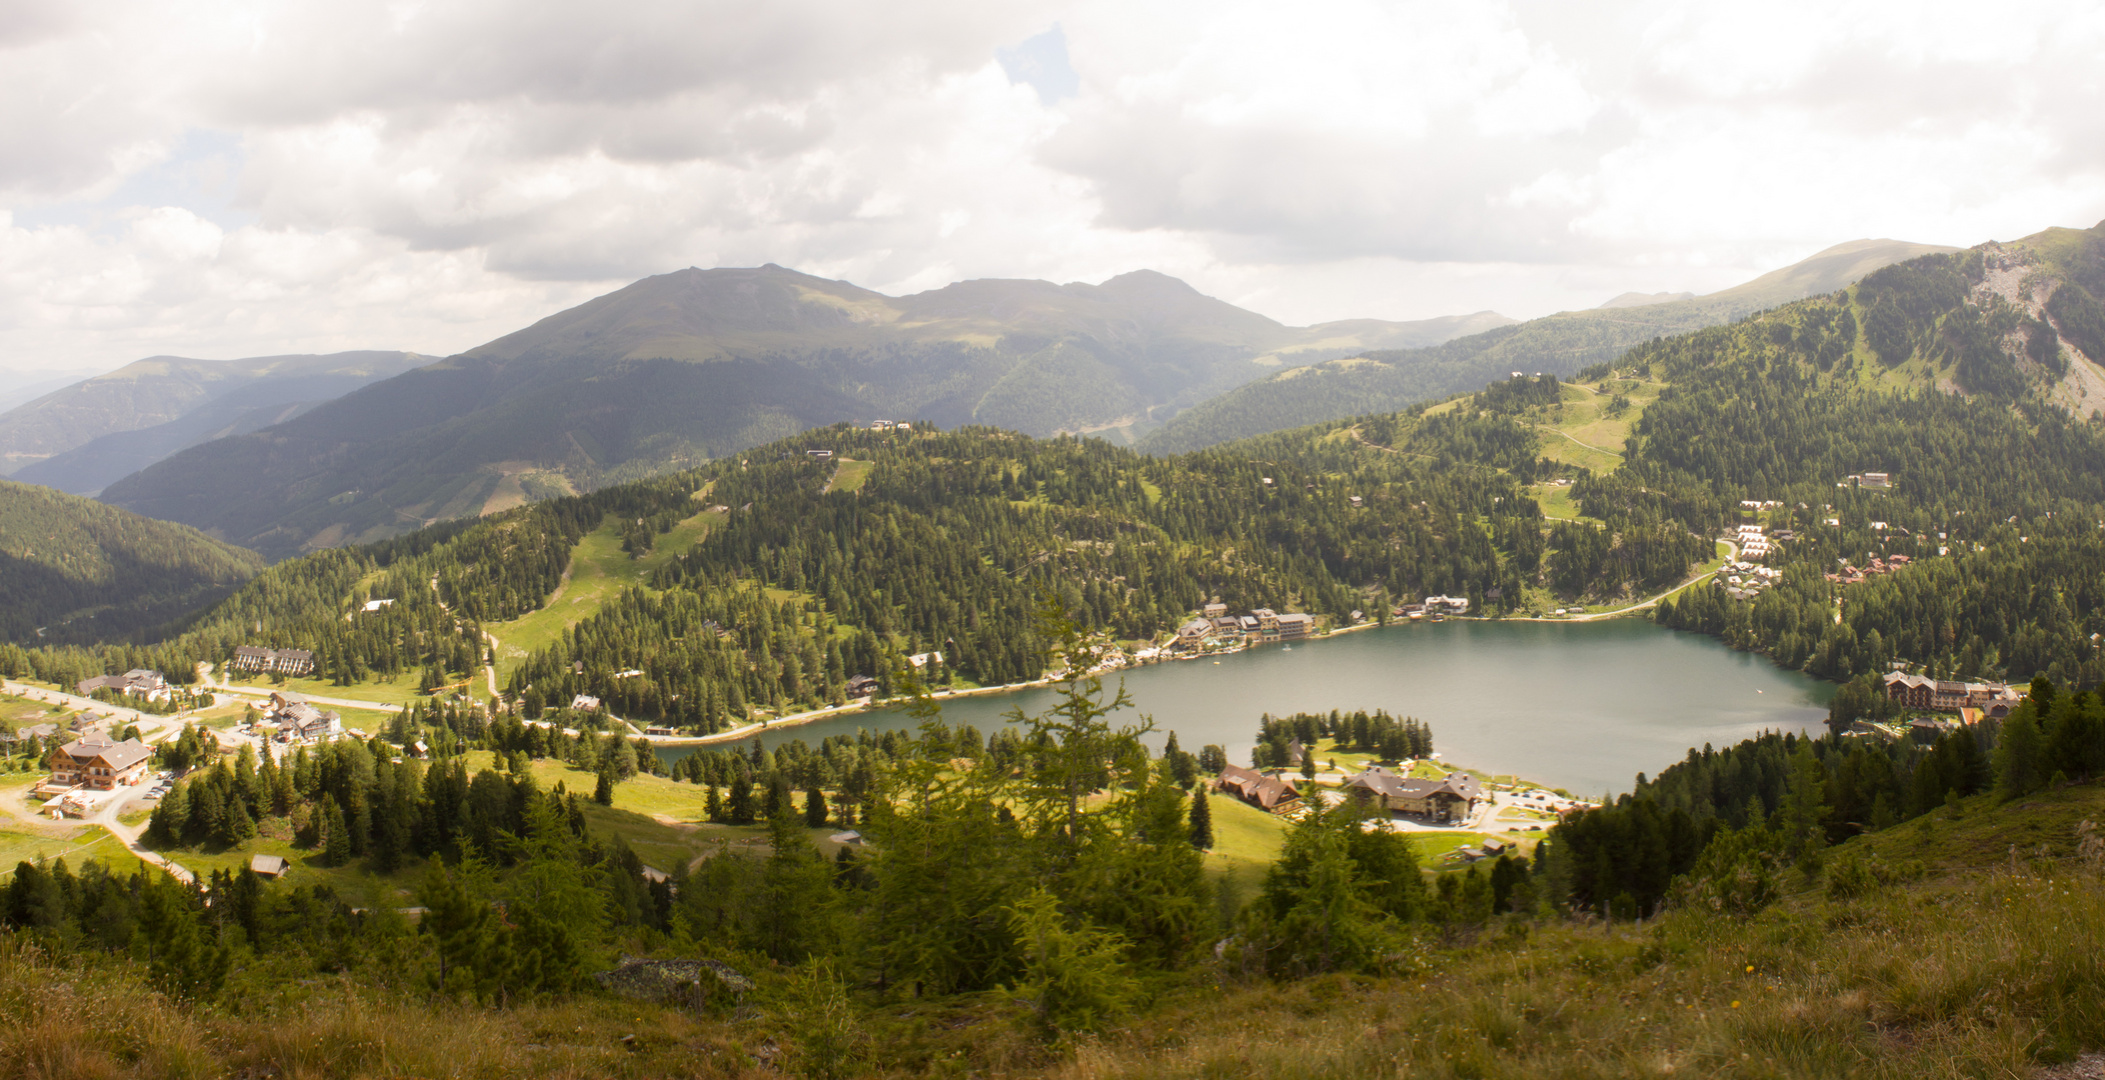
(151, 685)
(294, 662)
(1745, 581)
(890, 425)
(1850, 574)
(1449, 799)
(1973, 701)
(1753, 541)
(298, 721)
(1259, 626)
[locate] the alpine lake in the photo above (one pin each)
(1584, 706)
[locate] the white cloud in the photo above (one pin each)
(248, 177)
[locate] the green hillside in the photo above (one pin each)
(1380, 380)
(73, 570)
(687, 367)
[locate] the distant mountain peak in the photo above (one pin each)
(1638, 299)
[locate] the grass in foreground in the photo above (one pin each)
(1968, 966)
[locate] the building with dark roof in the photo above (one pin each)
(98, 763)
(1268, 793)
(1450, 798)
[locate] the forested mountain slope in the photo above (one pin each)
(74, 570)
(1559, 344)
(680, 368)
(81, 437)
(942, 542)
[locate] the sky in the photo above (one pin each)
(219, 180)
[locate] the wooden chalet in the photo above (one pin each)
(1267, 793)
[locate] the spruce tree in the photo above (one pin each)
(2019, 755)
(603, 791)
(815, 808)
(336, 836)
(1201, 821)
(741, 806)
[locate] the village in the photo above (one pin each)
(1456, 816)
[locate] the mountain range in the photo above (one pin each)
(692, 365)
(80, 437)
(685, 367)
(1560, 344)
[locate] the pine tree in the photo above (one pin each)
(815, 808)
(714, 804)
(1201, 821)
(741, 805)
(462, 928)
(603, 791)
(2019, 755)
(336, 836)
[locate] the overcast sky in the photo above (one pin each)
(222, 180)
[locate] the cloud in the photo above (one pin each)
(249, 177)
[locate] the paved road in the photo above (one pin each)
(151, 727)
(264, 692)
(129, 835)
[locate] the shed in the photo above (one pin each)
(270, 866)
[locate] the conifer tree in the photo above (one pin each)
(1201, 821)
(2019, 761)
(336, 836)
(815, 808)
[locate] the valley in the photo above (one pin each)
(1016, 882)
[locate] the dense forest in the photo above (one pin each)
(74, 570)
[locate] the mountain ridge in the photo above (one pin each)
(679, 368)
(80, 437)
(1561, 343)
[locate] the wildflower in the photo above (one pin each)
(1735, 1004)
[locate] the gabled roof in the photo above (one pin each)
(111, 755)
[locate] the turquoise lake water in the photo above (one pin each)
(1583, 706)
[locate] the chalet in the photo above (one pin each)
(1451, 798)
(302, 722)
(270, 866)
(1190, 634)
(1213, 611)
(276, 661)
(98, 763)
(376, 605)
(1356, 502)
(1455, 605)
(585, 703)
(1268, 793)
(862, 686)
(921, 659)
(660, 729)
(151, 685)
(419, 750)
